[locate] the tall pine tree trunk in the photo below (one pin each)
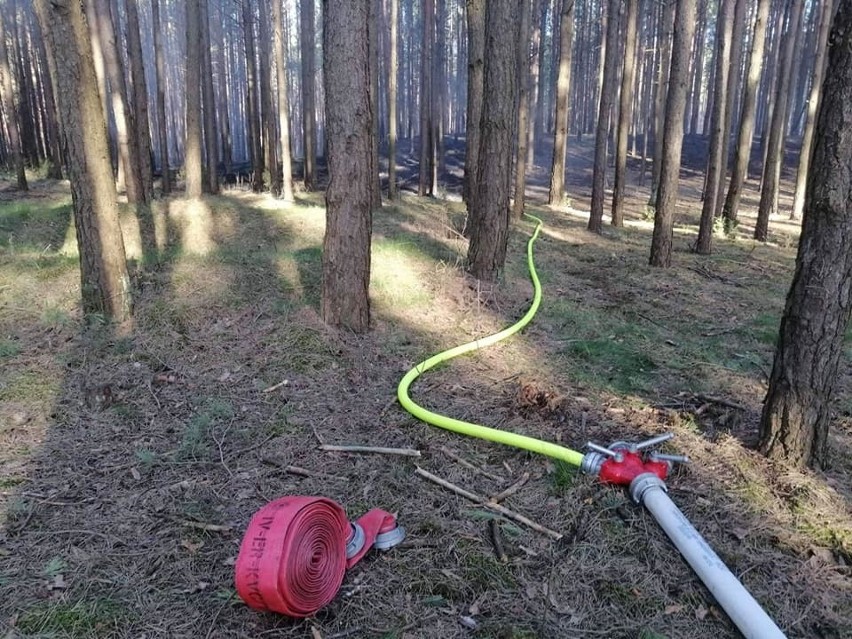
(192, 147)
(662, 91)
(769, 184)
(309, 116)
(625, 112)
(286, 179)
(346, 247)
(252, 99)
(142, 129)
(523, 110)
(487, 251)
(745, 133)
(211, 135)
(162, 128)
(393, 74)
(666, 202)
(8, 98)
(535, 72)
(105, 284)
(426, 111)
(563, 90)
(813, 106)
(797, 409)
(475, 83)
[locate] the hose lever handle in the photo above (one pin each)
(603, 450)
(675, 459)
(654, 441)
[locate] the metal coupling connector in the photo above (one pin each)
(643, 483)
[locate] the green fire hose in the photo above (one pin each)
(476, 430)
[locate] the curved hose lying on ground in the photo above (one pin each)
(475, 430)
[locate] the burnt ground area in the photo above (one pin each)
(131, 460)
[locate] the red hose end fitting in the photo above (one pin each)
(294, 554)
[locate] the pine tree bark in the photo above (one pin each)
(252, 98)
(8, 99)
(162, 128)
(604, 110)
(192, 147)
(535, 72)
(523, 48)
(139, 100)
(393, 74)
(625, 111)
(105, 284)
(745, 133)
(769, 184)
(346, 247)
(267, 117)
(309, 116)
(286, 179)
(373, 41)
(487, 251)
(475, 84)
(208, 100)
(426, 108)
(666, 202)
(715, 168)
(563, 90)
(826, 12)
(662, 92)
(797, 410)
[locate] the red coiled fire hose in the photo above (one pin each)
(296, 549)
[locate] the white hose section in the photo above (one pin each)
(741, 607)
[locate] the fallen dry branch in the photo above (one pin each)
(502, 510)
(721, 401)
(496, 541)
(200, 525)
(405, 452)
(467, 464)
(511, 490)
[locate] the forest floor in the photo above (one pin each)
(131, 461)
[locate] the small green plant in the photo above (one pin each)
(196, 434)
(8, 348)
(55, 567)
(146, 456)
(82, 618)
(564, 476)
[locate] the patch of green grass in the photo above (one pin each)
(8, 348)
(55, 566)
(56, 317)
(27, 226)
(564, 476)
(764, 328)
(27, 386)
(484, 572)
(163, 314)
(196, 435)
(81, 618)
(146, 456)
(11, 482)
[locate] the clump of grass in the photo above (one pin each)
(8, 348)
(564, 476)
(81, 618)
(195, 440)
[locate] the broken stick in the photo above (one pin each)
(511, 490)
(467, 464)
(497, 508)
(406, 452)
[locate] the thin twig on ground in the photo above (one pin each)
(496, 541)
(721, 401)
(405, 452)
(467, 464)
(511, 490)
(502, 510)
(200, 525)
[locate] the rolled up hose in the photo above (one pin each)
(297, 549)
(477, 430)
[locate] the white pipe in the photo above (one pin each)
(744, 611)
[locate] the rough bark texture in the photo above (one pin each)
(604, 108)
(777, 132)
(563, 89)
(162, 131)
(523, 110)
(11, 113)
(487, 252)
(715, 168)
(664, 207)
(267, 118)
(346, 248)
(662, 92)
(373, 36)
(625, 112)
(393, 70)
(139, 99)
(309, 116)
(826, 12)
(535, 72)
(745, 132)
(252, 99)
(286, 179)
(796, 412)
(426, 123)
(475, 80)
(105, 284)
(211, 135)
(192, 146)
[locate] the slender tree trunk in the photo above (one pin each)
(105, 284)
(475, 80)
(393, 75)
(162, 130)
(826, 12)
(192, 147)
(267, 117)
(439, 94)
(487, 252)
(426, 111)
(563, 88)
(535, 72)
(346, 248)
(797, 409)
(373, 24)
(625, 112)
(8, 99)
(141, 129)
(604, 111)
(745, 132)
(523, 48)
(211, 134)
(666, 202)
(715, 170)
(777, 134)
(309, 116)
(252, 98)
(662, 92)
(286, 179)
